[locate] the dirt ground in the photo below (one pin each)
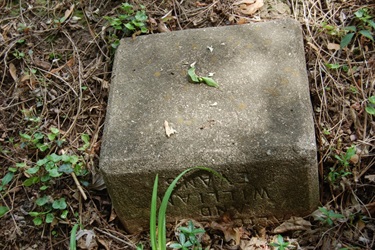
(56, 59)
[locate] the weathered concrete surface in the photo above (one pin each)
(257, 129)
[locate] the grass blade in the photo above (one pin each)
(153, 214)
(73, 233)
(163, 206)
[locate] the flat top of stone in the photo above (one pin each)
(263, 100)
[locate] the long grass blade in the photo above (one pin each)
(73, 233)
(163, 206)
(153, 214)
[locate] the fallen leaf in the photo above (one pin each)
(227, 229)
(370, 177)
(293, 224)
(169, 130)
(162, 28)
(69, 12)
(13, 71)
(254, 244)
(249, 7)
(89, 243)
(333, 46)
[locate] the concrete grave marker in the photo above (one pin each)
(257, 129)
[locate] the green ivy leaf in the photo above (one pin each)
(210, 82)
(41, 162)
(42, 147)
(51, 136)
(64, 214)
(37, 221)
(31, 181)
(66, 168)
(370, 110)
(49, 218)
(372, 99)
(42, 200)
(7, 178)
(3, 210)
(59, 204)
(25, 136)
(129, 26)
(33, 170)
(54, 157)
(54, 130)
(54, 172)
(346, 40)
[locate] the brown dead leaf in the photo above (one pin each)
(13, 72)
(370, 177)
(293, 224)
(228, 230)
(162, 28)
(254, 244)
(249, 7)
(69, 12)
(168, 129)
(333, 46)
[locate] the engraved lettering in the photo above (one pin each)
(205, 211)
(261, 193)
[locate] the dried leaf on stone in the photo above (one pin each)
(168, 129)
(249, 7)
(293, 224)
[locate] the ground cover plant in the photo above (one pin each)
(56, 59)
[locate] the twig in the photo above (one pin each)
(114, 237)
(79, 186)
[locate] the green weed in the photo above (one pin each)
(337, 173)
(51, 208)
(344, 158)
(188, 237)
(281, 244)
(328, 216)
(370, 108)
(158, 229)
(127, 22)
(365, 26)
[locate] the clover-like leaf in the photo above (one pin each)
(59, 204)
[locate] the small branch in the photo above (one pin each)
(79, 186)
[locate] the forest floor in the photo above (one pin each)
(56, 59)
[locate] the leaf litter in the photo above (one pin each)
(47, 49)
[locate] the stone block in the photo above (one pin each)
(256, 129)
